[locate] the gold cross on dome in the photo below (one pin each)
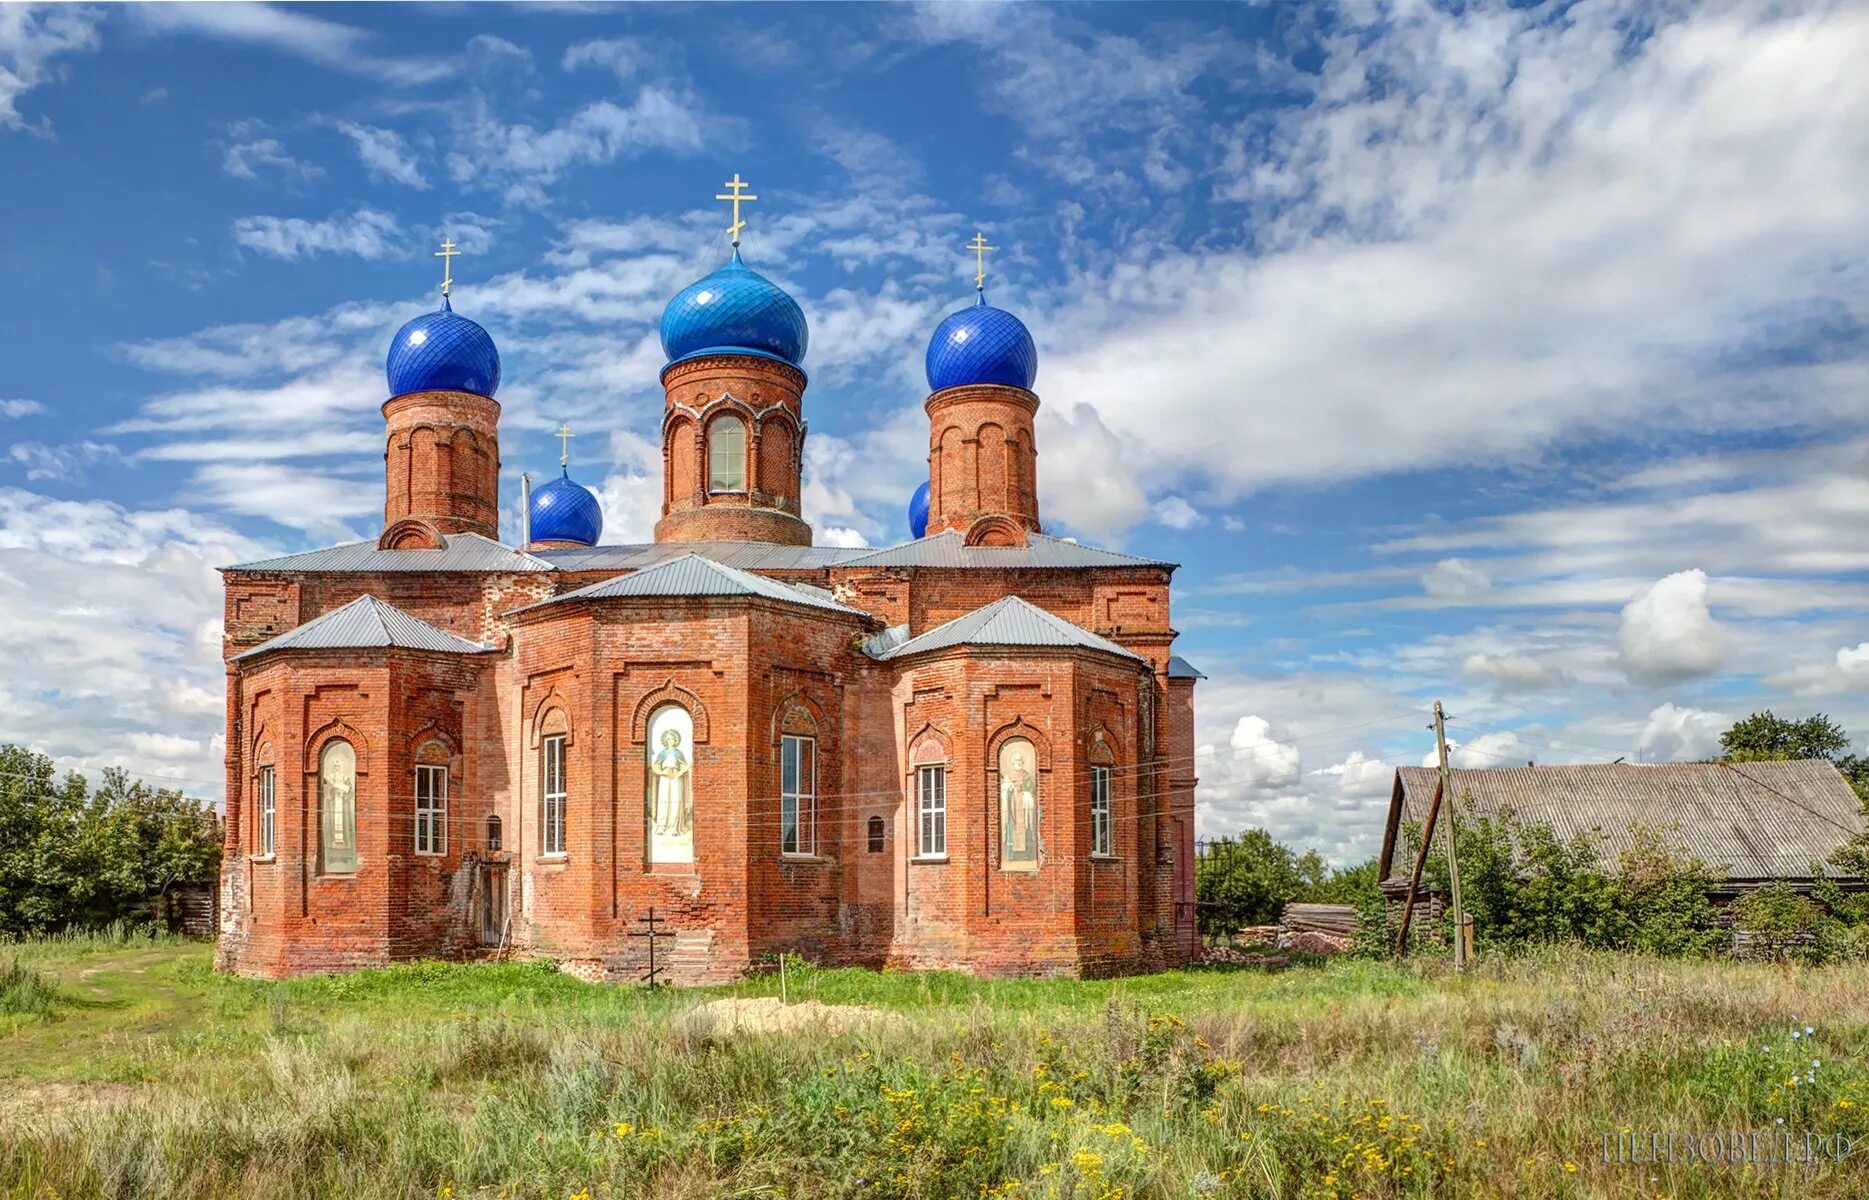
(564, 444)
(979, 248)
(447, 254)
(738, 197)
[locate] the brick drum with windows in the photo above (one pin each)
(969, 750)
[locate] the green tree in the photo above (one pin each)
(1764, 736)
(1247, 880)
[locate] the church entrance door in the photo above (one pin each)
(492, 903)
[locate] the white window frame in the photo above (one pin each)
(798, 796)
(552, 793)
(715, 444)
(1102, 829)
(431, 809)
(931, 811)
(267, 807)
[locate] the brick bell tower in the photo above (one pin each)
(982, 457)
(441, 456)
(733, 425)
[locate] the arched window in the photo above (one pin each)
(493, 831)
(877, 834)
(431, 799)
(265, 807)
(1018, 806)
(337, 808)
(1102, 803)
(726, 455)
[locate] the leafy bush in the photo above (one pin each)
(1783, 922)
(75, 858)
(24, 991)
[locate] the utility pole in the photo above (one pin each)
(1453, 861)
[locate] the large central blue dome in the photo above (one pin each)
(443, 351)
(735, 310)
(981, 344)
(565, 511)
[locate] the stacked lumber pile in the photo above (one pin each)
(1318, 928)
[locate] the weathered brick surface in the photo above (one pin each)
(767, 398)
(982, 463)
(441, 461)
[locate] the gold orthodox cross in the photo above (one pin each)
(564, 444)
(979, 248)
(447, 254)
(738, 197)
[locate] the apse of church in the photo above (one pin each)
(969, 749)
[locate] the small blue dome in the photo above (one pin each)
(735, 310)
(443, 352)
(918, 511)
(565, 511)
(981, 344)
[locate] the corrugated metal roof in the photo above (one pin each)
(366, 622)
(1756, 820)
(693, 575)
(1008, 622)
(1181, 668)
(880, 644)
(950, 550)
(747, 556)
(459, 552)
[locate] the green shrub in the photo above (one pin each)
(24, 991)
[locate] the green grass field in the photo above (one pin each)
(140, 1073)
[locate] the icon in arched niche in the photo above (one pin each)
(670, 812)
(337, 801)
(1018, 806)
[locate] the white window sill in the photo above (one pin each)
(1105, 858)
(929, 858)
(554, 858)
(431, 854)
(262, 858)
(798, 857)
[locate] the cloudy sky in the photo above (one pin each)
(1513, 357)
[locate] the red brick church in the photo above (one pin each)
(973, 749)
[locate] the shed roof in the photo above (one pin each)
(1181, 668)
(1008, 622)
(364, 623)
(950, 549)
(1756, 820)
(459, 552)
(693, 575)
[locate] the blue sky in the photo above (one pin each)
(1510, 355)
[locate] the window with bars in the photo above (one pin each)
(726, 455)
(552, 796)
(431, 810)
(931, 829)
(268, 823)
(1102, 833)
(798, 795)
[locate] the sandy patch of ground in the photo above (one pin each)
(767, 1014)
(58, 1099)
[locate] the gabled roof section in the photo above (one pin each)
(459, 552)
(1752, 821)
(1181, 668)
(364, 623)
(950, 549)
(1008, 622)
(693, 575)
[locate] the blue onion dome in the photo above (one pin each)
(981, 344)
(918, 511)
(566, 511)
(735, 310)
(443, 352)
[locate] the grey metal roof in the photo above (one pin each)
(747, 556)
(1756, 820)
(366, 622)
(1008, 622)
(459, 552)
(950, 550)
(1181, 668)
(879, 645)
(693, 575)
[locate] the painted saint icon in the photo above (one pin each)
(337, 799)
(1018, 806)
(670, 799)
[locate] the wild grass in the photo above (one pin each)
(156, 1078)
(24, 992)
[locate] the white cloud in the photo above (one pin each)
(66, 464)
(1668, 634)
(1177, 513)
(253, 149)
(1087, 474)
(366, 233)
(1498, 748)
(1261, 758)
(837, 535)
(384, 154)
(31, 37)
(1847, 672)
(1361, 776)
(14, 409)
(1676, 734)
(520, 160)
(1510, 672)
(622, 56)
(292, 32)
(1454, 577)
